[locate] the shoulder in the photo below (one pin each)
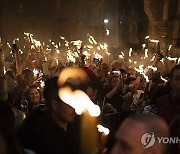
(165, 97)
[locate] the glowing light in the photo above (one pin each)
(147, 37)
(97, 56)
(170, 47)
(153, 58)
(71, 56)
(154, 41)
(163, 79)
(86, 54)
(79, 101)
(135, 62)
(5, 70)
(178, 61)
(130, 52)
(153, 68)
(62, 38)
(57, 51)
(42, 84)
(121, 56)
(57, 61)
(107, 31)
(106, 21)
(130, 60)
(35, 71)
(162, 61)
(91, 39)
(37, 43)
(144, 45)
(103, 46)
(141, 71)
(171, 59)
(89, 47)
(146, 53)
(102, 129)
(8, 44)
(77, 43)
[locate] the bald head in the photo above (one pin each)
(131, 131)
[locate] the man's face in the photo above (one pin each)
(65, 113)
(128, 138)
(176, 80)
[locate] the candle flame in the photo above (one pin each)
(144, 45)
(163, 79)
(91, 39)
(147, 37)
(130, 52)
(121, 56)
(42, 84)
(154, 41)
(102, 129)
(62, 38)
(35, 71)
(153, 58)
(171, 59)
(107, 31)
(170, 47)
(130, 60)
(135, 62)
(97, 56)
(142, 71)
(153, 68)
(77, 43)
(146, 53)
(79, 101)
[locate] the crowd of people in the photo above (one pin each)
(35, 120)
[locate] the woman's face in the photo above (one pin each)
(34, 96)
(114, 81)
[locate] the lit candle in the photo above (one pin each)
(104, 132)
(89, 134)
(82, 104)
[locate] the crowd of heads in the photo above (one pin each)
(114, 86)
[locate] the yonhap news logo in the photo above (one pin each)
(149, 139)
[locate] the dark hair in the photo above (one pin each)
(123, 71)
(11, 74)
(94, 85)
(173, 70)
(129, 80)
(157, 80)
(51, 90)
(48, 83)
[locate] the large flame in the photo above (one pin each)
(79, 101)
